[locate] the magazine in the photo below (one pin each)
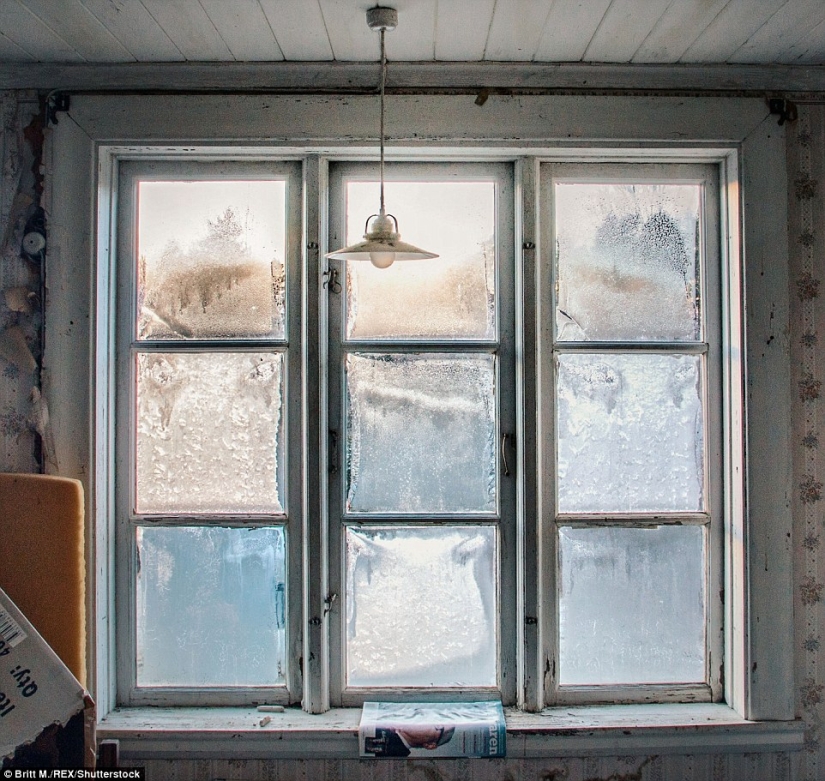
(431, 730)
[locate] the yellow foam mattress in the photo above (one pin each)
(42, 561)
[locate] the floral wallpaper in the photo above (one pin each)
(806, 232)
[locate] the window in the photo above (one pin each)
(423, 561)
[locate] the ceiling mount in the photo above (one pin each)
(380, 18)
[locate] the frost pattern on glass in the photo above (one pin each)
(211, 259)
(211, 607)
(450, 297)
(422, 606)
(627, 261)
(632, 605)
(209, 432)
(421, 433)
(630, 433)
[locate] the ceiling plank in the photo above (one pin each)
(299, 29)
(244, 28)
(190, 29)
(678, 27)
(11, 52)
(343, 78)
(624, 27)
(734, 25)
(810, 49)
(569, 29)
(350, 38)
(28, 32)
(414, 39)
(135, 28)
(461, 33)
(80, 29)
(516, 30)
(787, 26)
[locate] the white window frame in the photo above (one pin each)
(735, 133)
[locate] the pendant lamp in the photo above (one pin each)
(382, 244)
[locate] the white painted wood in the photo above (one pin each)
(734, 25)
(678, 27)
(461, 34)
(182, 733)
(515, 30)
(417, 78)
(299, 29)
(11, 52)
(781, 31)
(136, 29)
(349, 36)
(244, 28)
(809, 49)
(190, 29)
(624, 27)
(414, 38)
(569, 28)
(24, 29)
(769, 485)
(80, 29)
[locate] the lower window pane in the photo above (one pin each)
(632, 605)
(210, 607)
(422, 606)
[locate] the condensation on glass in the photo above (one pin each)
(630, 433)
(421, 433)
(211, 259)
(209, 432)
(632, 605)
(422, 606)
(210, 607)
(450, 297)
(628, 261)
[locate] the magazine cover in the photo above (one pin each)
(431, 730)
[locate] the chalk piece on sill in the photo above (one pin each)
(271, 708)
(265, 720)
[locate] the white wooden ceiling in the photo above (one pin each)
(757, 32)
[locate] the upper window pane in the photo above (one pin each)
(211, 259)
(628, 261)
(449, 297)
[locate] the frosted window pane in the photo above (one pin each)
(630, 433)
(211, 259)
(422, 606)
(209, 432)
(210, 607)
(452, 296)
(421, 433)
(628, 261)
(632, 605)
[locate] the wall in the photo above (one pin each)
(21, 451)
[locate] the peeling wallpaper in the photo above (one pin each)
(22, 415)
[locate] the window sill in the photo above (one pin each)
(204, 733)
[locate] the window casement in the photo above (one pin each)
(423, 559)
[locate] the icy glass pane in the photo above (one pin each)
(632, 605)
(628, 261)
(449, 297)
(421, 433)
(209, 432)
(211, 259)
(422, 606)
(210, 607)
(630, 433)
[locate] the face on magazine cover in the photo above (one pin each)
(429, 736)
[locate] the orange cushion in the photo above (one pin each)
(42, 561)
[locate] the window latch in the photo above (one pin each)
(505, 441)
(331, 282)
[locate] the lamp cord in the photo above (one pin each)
(383, 81)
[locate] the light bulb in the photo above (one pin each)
(382, 259)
